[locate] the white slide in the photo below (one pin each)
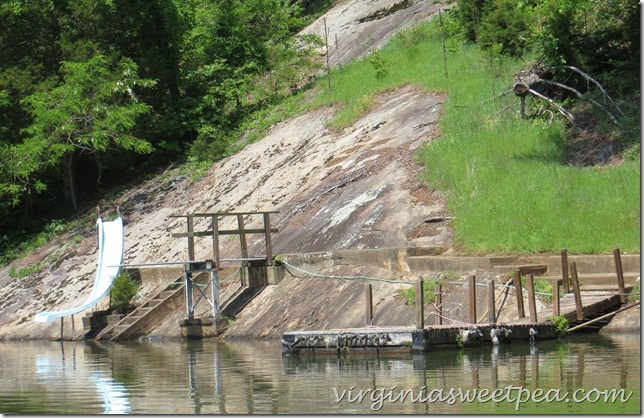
(110, 256)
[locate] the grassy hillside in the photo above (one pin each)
(508, 184)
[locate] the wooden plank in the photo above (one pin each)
(223, 232)
(208, 214)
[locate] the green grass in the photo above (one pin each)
(508, 186)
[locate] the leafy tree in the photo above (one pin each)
(94, 110)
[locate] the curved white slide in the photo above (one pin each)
(110, 256)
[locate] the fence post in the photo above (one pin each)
(438, 305)
(472, 284)
(575, 288)
(564, 270)
(620, 275)
(519, 290)
(267, 237)
(532, 303)
(420, 308)
(491, 309)
(242, 238)
(556, 306)
(369, 303)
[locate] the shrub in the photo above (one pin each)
(561, 325)
(123, 291)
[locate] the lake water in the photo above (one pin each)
(588, 373)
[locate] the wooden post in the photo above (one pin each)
(215, 239)
(73, 330)
(556, 305)
(575, 288)
(564, 271)
(620, 275)
(519, 290)
(368, 294)
(472, 285)
(191, 238)
(420, 305)
(490, 302)
(438, 305)
(267, 235)
(242, 237)
(532, 303)
(61, 328)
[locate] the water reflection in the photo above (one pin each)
(54, 372)
(247, 377)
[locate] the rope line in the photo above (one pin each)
(324, 276)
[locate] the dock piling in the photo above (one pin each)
(369, 304)
(564, 271)
(420, 305)
(472, 285)
(532, 303)
(620, 275)
(575, 288)
(438, 305)
(490, 303)
(519, 293)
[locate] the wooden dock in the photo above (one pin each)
(408, 339)
(569, 302)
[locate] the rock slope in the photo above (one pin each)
(360, 187)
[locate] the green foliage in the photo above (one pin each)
(95, 108)
(600, 37)
(635, 293)
(123, 291)
(459, 341)
(507, 25)
(508, 184)
(409, 294)
(379, 64)
(561, 325)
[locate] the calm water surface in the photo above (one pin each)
(582, 374)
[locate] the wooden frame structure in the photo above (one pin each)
(212, 266)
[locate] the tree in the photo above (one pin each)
(94, 110)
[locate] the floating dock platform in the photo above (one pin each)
(410, 339)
